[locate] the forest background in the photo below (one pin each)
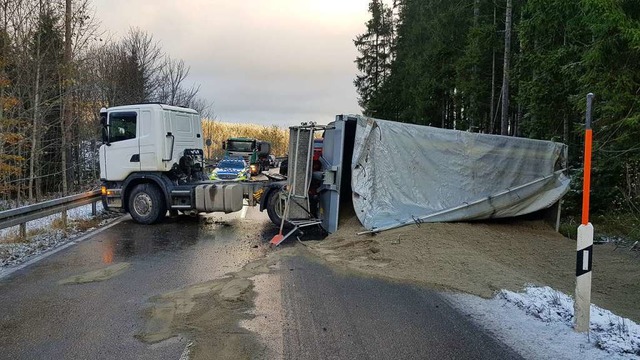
(57, 69)
(516, 68)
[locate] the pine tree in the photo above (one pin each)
(375, 58)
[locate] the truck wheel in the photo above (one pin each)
(146, 204)
(275, 208)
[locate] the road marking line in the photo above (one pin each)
(6, 272)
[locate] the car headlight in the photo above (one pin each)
(253, 168)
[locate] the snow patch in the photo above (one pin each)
(17, 253)
(610, 332)
(538, 324)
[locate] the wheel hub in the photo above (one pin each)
(142, 204)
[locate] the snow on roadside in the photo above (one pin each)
(16, 253)
(538, 324)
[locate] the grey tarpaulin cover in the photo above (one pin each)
(405, 173)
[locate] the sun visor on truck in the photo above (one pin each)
(404, 174)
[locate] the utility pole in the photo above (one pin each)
(504, 125)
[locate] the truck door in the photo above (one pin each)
(123, 150)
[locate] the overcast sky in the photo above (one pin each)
(260, 61)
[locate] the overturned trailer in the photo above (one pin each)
(395, 174)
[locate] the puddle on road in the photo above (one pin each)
(209, 314)
(96, 275)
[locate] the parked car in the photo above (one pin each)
(231, 169)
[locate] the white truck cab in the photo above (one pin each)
(146, 137)
(151, 161)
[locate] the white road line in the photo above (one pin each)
(6, 272)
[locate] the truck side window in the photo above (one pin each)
(122, 126)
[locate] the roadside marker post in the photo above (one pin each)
(584, 258)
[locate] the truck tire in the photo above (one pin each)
(146, 204)
(275, 208)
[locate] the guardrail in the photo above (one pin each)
(20, 216)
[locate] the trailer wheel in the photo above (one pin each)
(275, 208)
(146, 204)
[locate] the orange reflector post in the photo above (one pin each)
(586, 187)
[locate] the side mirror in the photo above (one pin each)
(105, 127)
(105, 135)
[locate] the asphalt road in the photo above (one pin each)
(332, 315)
(317, 313)
(40, 319)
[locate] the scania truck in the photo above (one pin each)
(151, 162)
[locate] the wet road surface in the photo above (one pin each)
(304, 310)
(40, 319)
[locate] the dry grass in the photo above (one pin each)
(219, 131)
(15, 238)
(84, 225)
(58, 224)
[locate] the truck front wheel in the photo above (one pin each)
(146, 204)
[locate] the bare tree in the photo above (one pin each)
(171, 88)
(65, 120)
(147, 54)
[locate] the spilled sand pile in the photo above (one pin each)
(482, 258)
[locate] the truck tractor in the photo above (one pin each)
(254, 151)
(151, 162)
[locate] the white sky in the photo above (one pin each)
(260, 61)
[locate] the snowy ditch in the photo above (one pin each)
(538, 323)
(46, 237)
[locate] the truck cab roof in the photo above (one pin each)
(152, 106)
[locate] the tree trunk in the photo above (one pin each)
(504, 128)
(65, 121)
(472, 100)
(565, 135)
(493, 84)
(34, 124)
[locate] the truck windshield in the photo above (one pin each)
(240, 145)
